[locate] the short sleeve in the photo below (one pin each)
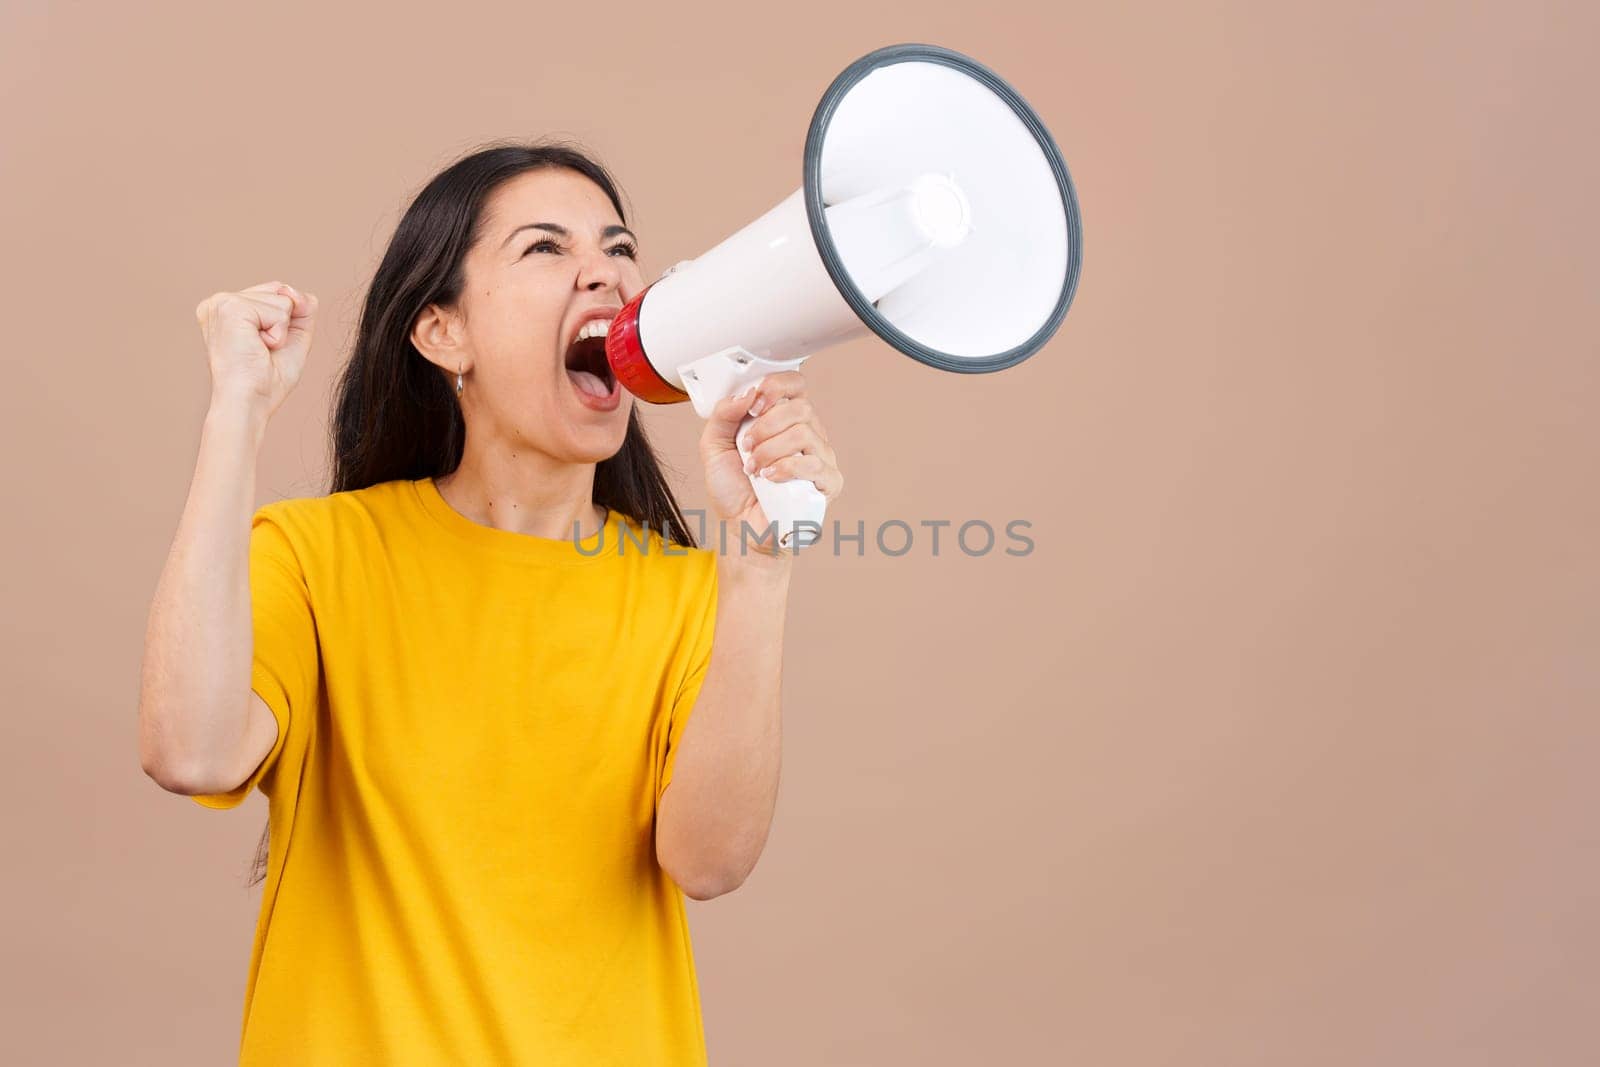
(285, 669)
(698, 636)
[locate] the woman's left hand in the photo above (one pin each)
(785, 441)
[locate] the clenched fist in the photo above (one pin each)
(256, 342)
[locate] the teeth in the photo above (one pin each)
(593, 328)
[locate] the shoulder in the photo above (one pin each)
(332, 507)
(315, 521)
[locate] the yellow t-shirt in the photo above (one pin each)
(474, 731)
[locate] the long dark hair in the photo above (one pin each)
(395, 415)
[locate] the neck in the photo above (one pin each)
(523, 492)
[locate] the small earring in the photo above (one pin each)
(458, 379)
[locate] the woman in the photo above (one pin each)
(464, 678)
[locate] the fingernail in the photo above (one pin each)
(759, 406)
(766, 472)
(749, 465)
(741, 394)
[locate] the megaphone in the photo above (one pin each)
(935, 210)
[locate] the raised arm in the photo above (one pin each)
(201, 729)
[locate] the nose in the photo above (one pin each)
(599, 271)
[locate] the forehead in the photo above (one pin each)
(553, 194)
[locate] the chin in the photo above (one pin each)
(596, 442)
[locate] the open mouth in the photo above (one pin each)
(586, 361)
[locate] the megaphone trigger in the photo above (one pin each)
(722, 374)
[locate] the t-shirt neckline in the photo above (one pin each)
(559, 550)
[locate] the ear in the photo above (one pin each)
(437, 334)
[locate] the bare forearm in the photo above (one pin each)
(195, 681)
(716, 814)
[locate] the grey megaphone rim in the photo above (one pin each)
(870, 315)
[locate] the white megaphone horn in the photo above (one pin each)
(935, 211)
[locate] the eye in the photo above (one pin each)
(625, 248)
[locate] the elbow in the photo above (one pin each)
(705, 862)
(159, 764)
(168, 756)
(158, 757)
(173, 773)
(166, 774)
(175, 777)
(703, 880)
(708, 888)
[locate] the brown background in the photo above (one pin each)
(1280, 748)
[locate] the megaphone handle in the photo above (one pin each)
(796, 506)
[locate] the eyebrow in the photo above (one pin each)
(562, 231)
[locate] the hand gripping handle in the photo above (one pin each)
(796, 506)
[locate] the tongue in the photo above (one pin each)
(589, 382)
